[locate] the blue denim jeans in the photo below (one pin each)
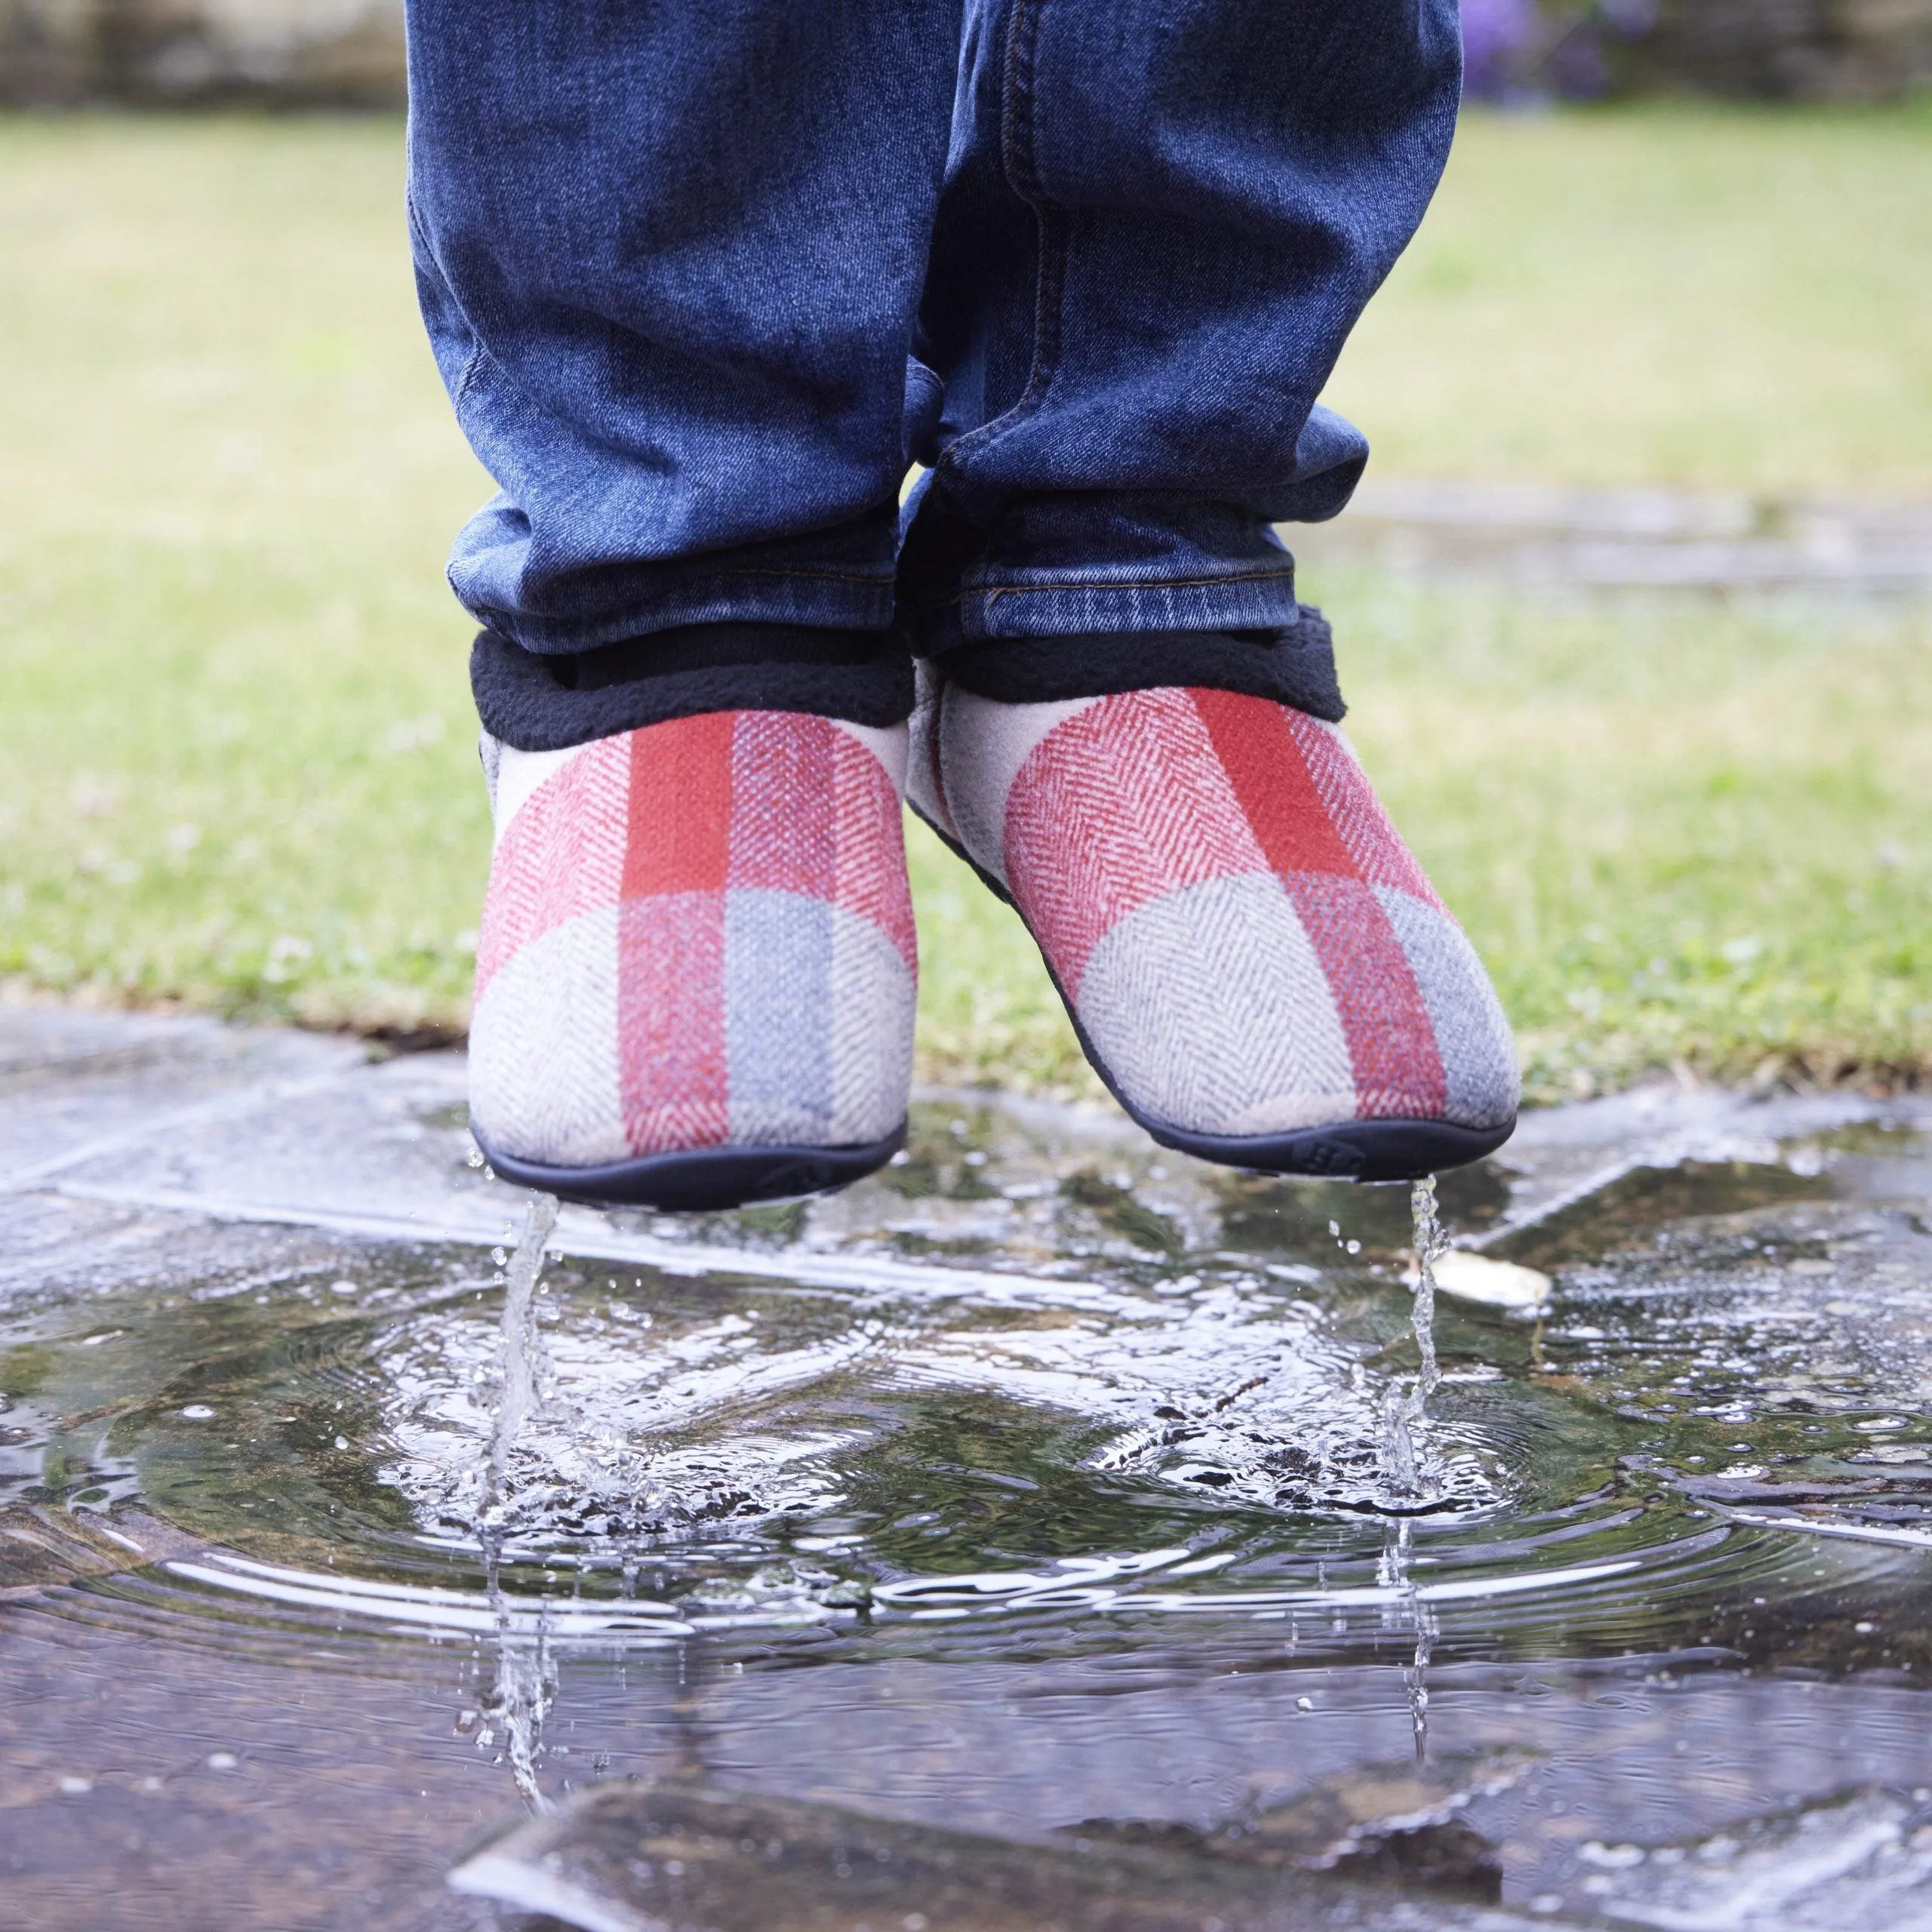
(703, 280)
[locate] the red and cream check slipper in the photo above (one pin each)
(1254, 963)
(695, 972)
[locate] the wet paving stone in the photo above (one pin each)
(1031, 1491)
(632, 1857)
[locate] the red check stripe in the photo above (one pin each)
(1350, 804)
(1123, 803)
(1329, 842)
(563, 854)
(663, 823)
(1140, 795)
(673, 1073)
(1264, 760)
(1392, 1052)
(680, 827)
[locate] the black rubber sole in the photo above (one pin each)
(701, 1179)
(1363, 1150)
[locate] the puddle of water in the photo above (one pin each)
(1047, 1480)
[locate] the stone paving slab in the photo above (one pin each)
(114, 1117)
(1636, 538)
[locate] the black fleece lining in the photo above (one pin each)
(540, 701)
(1295, 665)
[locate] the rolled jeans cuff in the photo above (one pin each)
(1293, 663)
(1088, 564)
(841, 579)
(542, 701)
(1262, 599)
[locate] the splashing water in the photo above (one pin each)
(1402, 1465)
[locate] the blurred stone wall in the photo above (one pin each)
(1793, 49)
(336, 53)
(349, 52)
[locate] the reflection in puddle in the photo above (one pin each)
(1046, 1480)
(681, 1854)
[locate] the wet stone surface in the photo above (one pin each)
(1024, 1508)
(1651, 538)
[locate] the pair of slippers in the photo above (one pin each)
(696, 967)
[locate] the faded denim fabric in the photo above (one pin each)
(703, 279)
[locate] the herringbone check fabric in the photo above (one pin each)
(697, 934)
(1248, 945)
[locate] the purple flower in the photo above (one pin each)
(1498, 36)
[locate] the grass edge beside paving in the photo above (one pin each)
(1500, 729)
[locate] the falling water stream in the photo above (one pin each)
(526, 1680)
(1406, 1407)
(522, 1348)
(1406, 1480)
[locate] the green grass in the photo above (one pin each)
(1731, 298)
(1681, 834)
(227, 479)
(238, 772)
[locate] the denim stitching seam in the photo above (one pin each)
(993, 593)
(1019, 162)
(488, 614)
(880, 582)
(420, 234)
(472, 368)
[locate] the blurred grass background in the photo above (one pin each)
(1684, 831)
